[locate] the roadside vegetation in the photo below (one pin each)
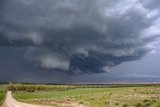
(2, 93)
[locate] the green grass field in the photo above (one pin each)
(2, 94)
(96, 97)
(89, 96)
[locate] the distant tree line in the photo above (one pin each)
(41, 87)
(115, 85)
(33, 88)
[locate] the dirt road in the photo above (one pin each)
(11, 102)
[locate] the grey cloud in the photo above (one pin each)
(78, 36)
(153, 4)
(44, 58)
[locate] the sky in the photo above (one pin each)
(80, 41)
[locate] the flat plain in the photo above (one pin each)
(89, 96)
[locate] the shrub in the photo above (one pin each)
(125, 105)
(145, 100)
(30, 89)
(10, 87)
(80, 102)
(139, 105)
(148, 104)
(116, 103)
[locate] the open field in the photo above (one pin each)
(92, 96)
(97, 97)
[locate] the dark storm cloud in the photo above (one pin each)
(79, 36)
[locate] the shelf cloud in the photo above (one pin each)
(80, 36)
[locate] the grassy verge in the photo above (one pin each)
(97, 97)
(2, 94)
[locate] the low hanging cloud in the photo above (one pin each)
(44, 58)
(80, 36)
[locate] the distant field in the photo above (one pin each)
(119, 96)
(2, 93)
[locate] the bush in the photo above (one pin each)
(116, 103)
(30, 89)
(125, 105)
(146, 100)
(139, 105)
(10, 87)
(80, 102)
